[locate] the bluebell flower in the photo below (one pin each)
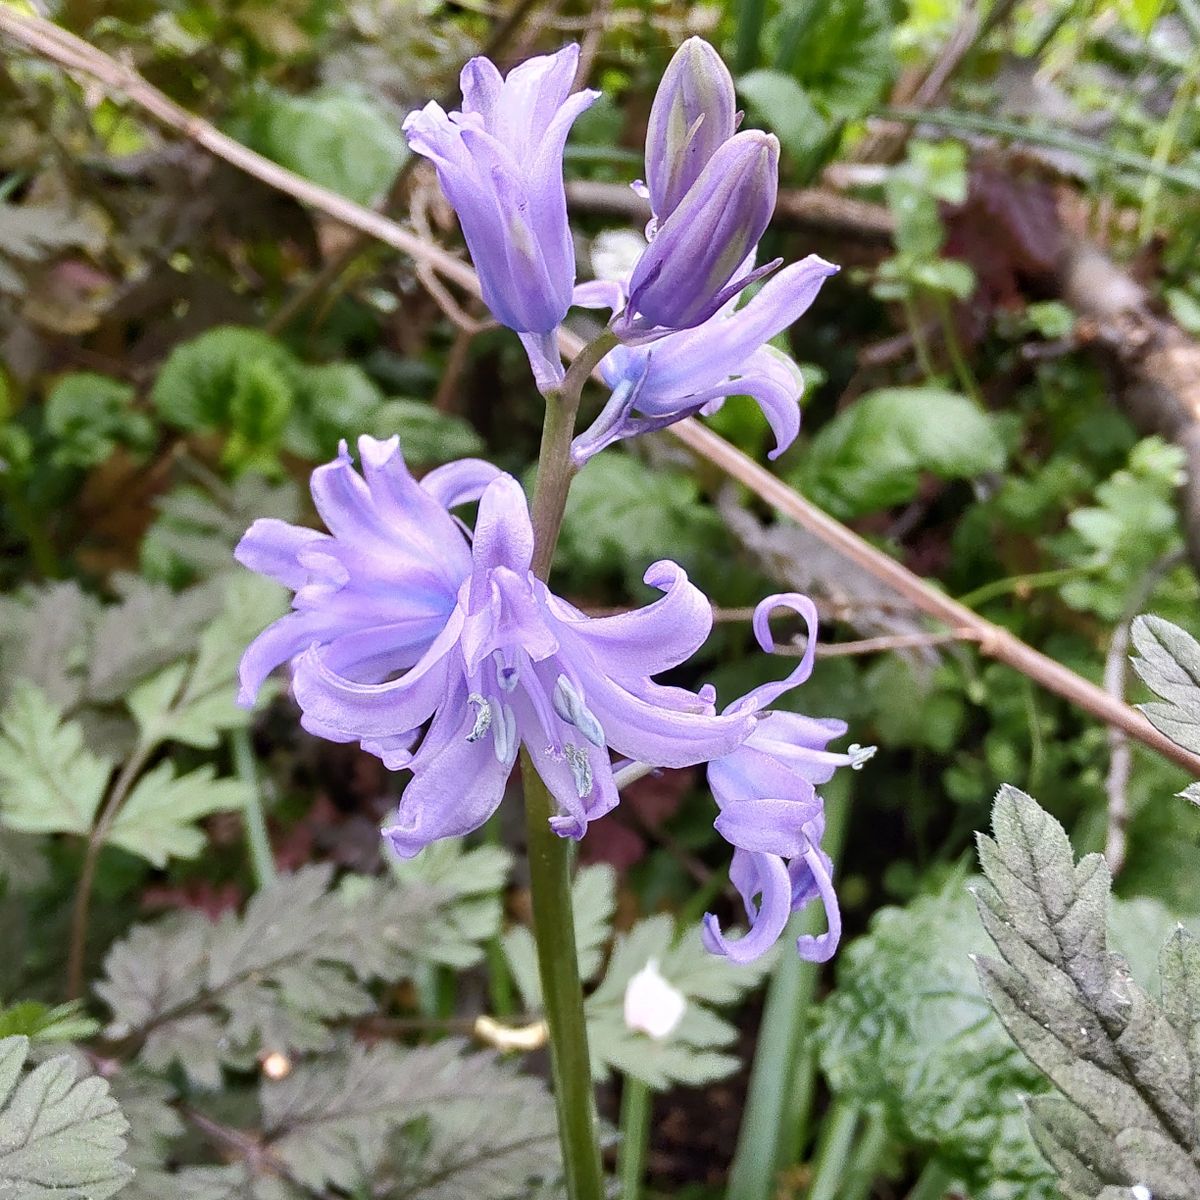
(771, 812)
(442, 654)
(694, 113)
(500, 164)
(697, 260)
(693, 370)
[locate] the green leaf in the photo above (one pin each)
(156, 822)
(1126, 1113)
(593, 902)
(41, 1023)
(783, 107)
(49, 781)
(196, 387)
(89, 415)
(694, 1053)
(60, 1136)
(908, 1029)
(333, 401)
(839, 51)
(1169, 664)
(872, 455)
(463, 897)
(259, 408)
(340, 139)
(426, 435)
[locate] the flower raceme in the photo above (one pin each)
(500, 164)
(443, 655)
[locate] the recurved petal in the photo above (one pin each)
(270, 546)
(765, 876)
(819, 870)
(280, 642)
(460, 482)
(761, 696)
(372, 711)
(451, 793)
(768, 826)
(655, 638)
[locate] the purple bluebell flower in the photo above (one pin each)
(694, 113)
(694, 370)
(500, 164)
(771, 812)
(442, 653)
(698, 258)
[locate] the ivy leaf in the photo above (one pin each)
(908, 1029)
(694, 1052)
(60, 1136)
(872, 455)
(593, 901)
(49, 781)
(1122, 1063)
(156, 822)
(1169, 665)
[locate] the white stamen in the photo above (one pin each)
(581, 769)
(483, 716)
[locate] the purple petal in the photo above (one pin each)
(768, 826)
(461, 482)
(503, 533)
(269, 547)
(760, 697)
(822, 947)
(763, 874)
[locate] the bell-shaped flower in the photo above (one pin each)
(442, 653)
(694, 113)
(696, 262)
(500, 164)
(771, 812)
(694, 370)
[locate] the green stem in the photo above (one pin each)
(550, 855)
(262, 861)
(920, 345)
(864, 1166)
(962, 371)
(1016, 583)
(636, 1102)
(833, 1151)
(558, 966)
(781, 1081)
(933, 1183)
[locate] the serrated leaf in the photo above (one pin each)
(908, 1030)
(593, 901)
(1169, 663)
(156, 822)
(871, 456)
(89, 415)
(1076, 1011)
(692, 1053)
(49, 781)
(60, 1135)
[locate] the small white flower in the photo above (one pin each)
(1140, 1191)
(615, 253)
(652, 1005)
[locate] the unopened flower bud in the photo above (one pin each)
(684, 275)
(693, 115)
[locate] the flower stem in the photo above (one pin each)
(558, 966)
(933, 1183)
(635, 1133)
(833, 1150)
(550, 855)
(555, 468)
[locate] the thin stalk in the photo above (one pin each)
(636, 1102)
(962, 371)
(864, 1165)
(833, 1151)
(933, 1183)
(81, 910)
(550, 855)
(262, 860)
(1164, 147)
(1021, 583)
(558, 966)
(767, 1140)
(920, 345)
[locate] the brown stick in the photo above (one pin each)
(70, 52)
